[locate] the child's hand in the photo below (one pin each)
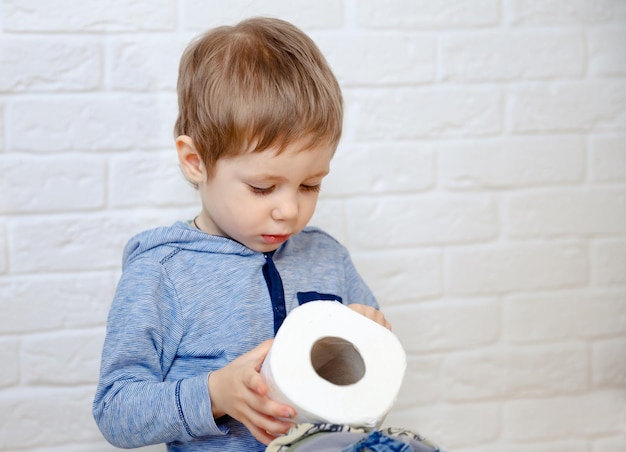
(371, 313)
(239, 391)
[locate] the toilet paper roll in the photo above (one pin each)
(334, 365)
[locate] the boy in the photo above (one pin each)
(260, 116)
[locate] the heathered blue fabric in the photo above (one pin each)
(189, 303)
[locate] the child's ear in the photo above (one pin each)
(190, 161)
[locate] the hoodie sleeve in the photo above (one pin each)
(358, 291)
(134, 405)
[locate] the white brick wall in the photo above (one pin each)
(481, 186)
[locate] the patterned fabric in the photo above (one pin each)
(343, 438)
(377, 442)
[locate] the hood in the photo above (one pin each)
(181, 236)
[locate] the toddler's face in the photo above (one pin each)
(261, 199)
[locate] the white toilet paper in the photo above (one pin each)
(334, 365)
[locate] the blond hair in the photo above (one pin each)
(259, 84)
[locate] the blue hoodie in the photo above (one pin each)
(189, 303)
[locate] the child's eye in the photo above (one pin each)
(261, 190)
(312, 188)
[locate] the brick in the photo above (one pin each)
(608, 158)
(566, 445)
(2, 126)
(608, 262)
(556, 316)
(574, 212)
(39, 417)
(398, 167)
(465, 425)
(593, 414)
(392, 274)
(9, 352)
(149, 179)
(70, 243)
(72, 124)
(38, 303)
(445, 325)
(49, 64)
(89, 15)
(155, 120)
(4, 249)
(414, 419)
(203, 14)
(516, 372)
(63, 183)
(606, 55)
(379, 59)
(409, 113)
(608, 363)
(68, 358)
(407, 220)
(552, 12)
(330, 216)
(515, 267)
(511, 162)
(146, 63)
(512, 55)
(422, 384)
(615, 443)
(575, 106)
(451, 427)
(427, 14)
(93, 122)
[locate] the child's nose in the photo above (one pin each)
(286, 208)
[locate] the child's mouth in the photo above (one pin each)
(274, 239)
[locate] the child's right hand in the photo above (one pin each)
(239, 390)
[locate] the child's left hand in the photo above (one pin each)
(238, 389)
(371, 313)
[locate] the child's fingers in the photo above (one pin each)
(260, 415)
(371, 313)
(260, 434)
(266, 428)
(247, 399)
(264, 347)
(254, 382)
(257, 355)
(257, 398)
(271, 408)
